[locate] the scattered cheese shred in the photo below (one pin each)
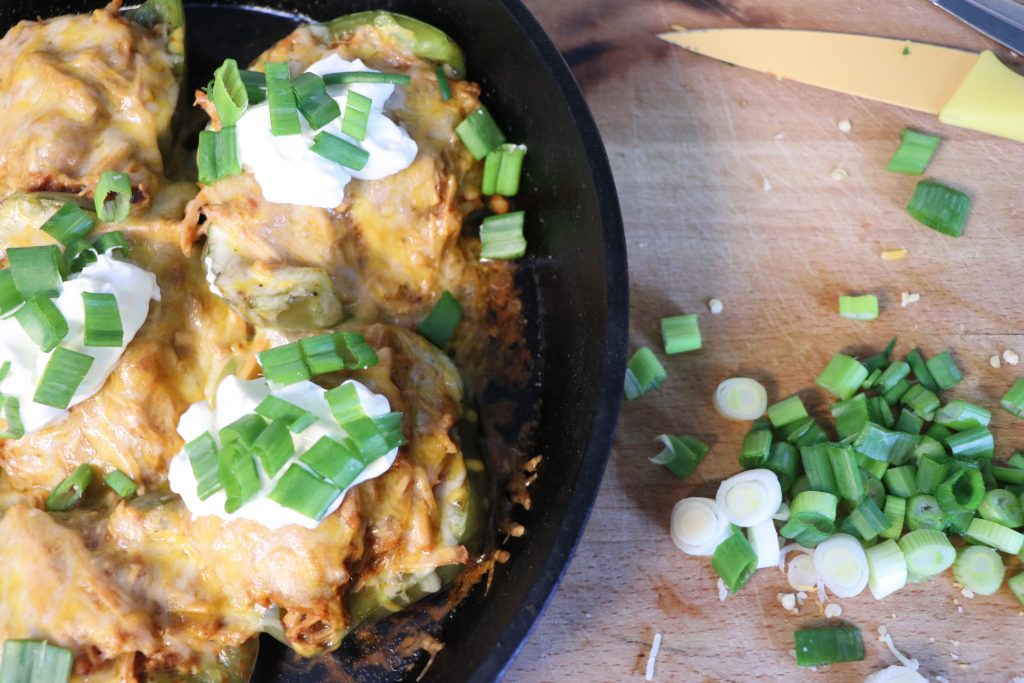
(894, 254)
(651, 658)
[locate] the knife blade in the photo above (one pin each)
(1000, 20)
(963, 88)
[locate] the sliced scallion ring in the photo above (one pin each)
(351, 77)
(35, 661)
(750, 497)
(896, 674)
(765, 542)
(113, 196)
(341, 152)
(995, 535)
(842, 565)
(501, 236)
(357, 114)
(68, 224)
(64, 373)
(317, 106)
(284, 113)
(69, 492)
(480, 133)
(103, 325)
(887, 569)
(681, 454)
(741, 399)
(229, 93)
(698, 526)
(36, 270)
(927, 552)
(980, 569)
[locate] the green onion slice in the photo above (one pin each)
(892, 376)
(1016, 585)
(787, 411)
(69, 492)
(846, 472)
(284, 364)
(850, 415)
(644, 373)
(783, 460)
(279, 410)
(274, 447)
(867, 520)
(975, 442)
(68, 224)
(120, 483)
(10, 409)
(818, 468)
(102, 320)
(680, 333)
(35, 661)
(78, 256)
(962, 415)
(921, 400)
(36, 270)
(1013, 401)
(901, 481)
(680, 455)
(10, 298)
(735, 561)
(755, 449)
(1002, 507)
(440, 325)
(920, 368)
(995, 535)
(43, 322)
(503, 170)
(358, 354)
(932, 470)
(284, 113)
(909, 423)
(338, 462)
(480, 133)
(341, 152)
(914, 153)
(924, 512)
(442, 84)
(244, 431)
(312, 99)
(501, 236)
(979, 569)
(842, 376)
(113, 196)
(350, 77)
(218, 155)
(842, 566)
(202, 456)
(300, 490)
(64, 373)
(344, 403)
(895, 511)
(236, 470)
(821, 646)
(897, 392)
(321, 354)
(944, 371)
(939, 207)
(858, 307)
(928, 552)
(109, 241)
(357, 114)
(229, 94)
(887, 569)
(255, 83)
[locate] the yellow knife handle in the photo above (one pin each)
(990, 99)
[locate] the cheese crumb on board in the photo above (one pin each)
(894, 254)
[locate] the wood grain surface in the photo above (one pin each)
(728, 189)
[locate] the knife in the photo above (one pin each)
(962, 88)
(1000, 20)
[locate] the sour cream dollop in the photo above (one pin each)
(237, 398)
(289, 173)
(133, 288)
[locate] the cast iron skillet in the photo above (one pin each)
(577, 269)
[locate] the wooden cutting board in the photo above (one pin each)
(738, 186)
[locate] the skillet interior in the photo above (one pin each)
(575, 280)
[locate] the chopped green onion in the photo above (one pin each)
(960, 415)
(930, 447)
(218, 155)
(350, 77)
(963, 490)
(881, 444)
(928, 552)
(944, 371)
(321, 354)
(284, 112)
(1016, 460)
(319, 108)
(845, 472)
(786, 412)
(893, 375)
(938, 433)
(284, 364)
(503, 169)
(735, 561)
(277, 409)
(300, 490)
(113, 196)
(783, 461)
(255, 83)
(755, 448)
(245, 430)
(10, 409)
(10, 298)
(643, 373)
(867, 520)
(909, 423)
(815, 459)
(202, 456)
(821, 646)
(68, 224)
(1016, 585)
(887, 569)
(880, 412)
(924, 512)
(920, 368)
(1008, 475)
(995, 535)
(36, 270)
(358, 354)
(480, 133)
(897, 392)
(229, 93)
(850, 415)
(390, 427)
(842, 376)
(939, 207)
(442, 84)
(357, 114)
(895, 512)
(806, 432)
(858, 307)
(102, 320)
(274, 446)
(820, 503)
(872, 378)
(43, 322)
(338, 462)
(63, 375)
(374, 437)
(880, 360)
(120, 483)
(440, 325)
(109, 241)
(69, 492)
(344, 403)
(681, 454)
(932, 470)
(901, 481)
(976, 442)
(922, 401)
(341, 152)
(741, 399)
(501, 236)
(979, 569)
(236, 470)
(79, 255)
(914, 153)
(1013, 401)
(35, 661)
(876, 468)
(680, 333)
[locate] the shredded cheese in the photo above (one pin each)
(894, 254)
